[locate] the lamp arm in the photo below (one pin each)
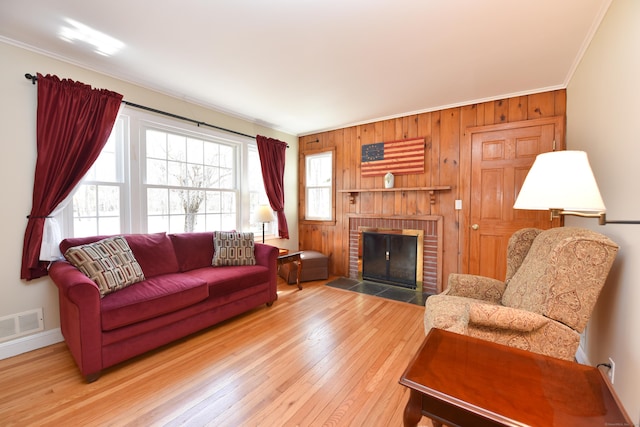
(602, 217)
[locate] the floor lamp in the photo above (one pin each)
(264, 214)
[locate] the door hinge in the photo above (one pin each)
(554, 145)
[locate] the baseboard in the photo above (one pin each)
(30, 342)
(581, 357)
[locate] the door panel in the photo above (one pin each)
(500, 160)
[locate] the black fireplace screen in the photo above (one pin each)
(390, 258)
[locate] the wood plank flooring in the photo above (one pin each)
(318, 357)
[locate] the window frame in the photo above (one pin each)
(304, 193)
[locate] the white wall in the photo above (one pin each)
(17, 164)
(603, 109)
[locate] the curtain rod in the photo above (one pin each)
(164, 113)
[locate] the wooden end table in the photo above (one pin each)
(286, 257)
(464, 381)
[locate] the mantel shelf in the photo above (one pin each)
(432, 190)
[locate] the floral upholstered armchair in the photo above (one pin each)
(553, 280)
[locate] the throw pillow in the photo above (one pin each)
(233, 248)
(108, 262)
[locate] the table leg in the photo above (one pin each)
(298, 275)
(413, 410)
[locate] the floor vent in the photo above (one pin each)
(19, 324)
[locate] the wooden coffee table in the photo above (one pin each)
(464, 381)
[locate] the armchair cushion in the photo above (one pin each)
(518, 248)
(563, 275)
(500, 317)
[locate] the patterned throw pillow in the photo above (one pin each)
(233, 248)
(108, 262)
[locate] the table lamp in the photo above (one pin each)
(264, 214)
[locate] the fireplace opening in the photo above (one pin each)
(390, 257)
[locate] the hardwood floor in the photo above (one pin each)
(318, 357)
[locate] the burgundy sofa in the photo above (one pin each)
(182, 293)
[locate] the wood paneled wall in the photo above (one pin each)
(443, 131)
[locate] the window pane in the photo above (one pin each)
(109, 225)
(83, 227)
(195, 153)
(108, 201)
(175, 201)
(213, 202)
(177, 173)
(316, 208)
(214, 222)
(226, 178)
(157, 201)
(227, 159)
(156, 172)
(156, 224)
(228, 222)
(84, 201)
(177, 147)
(156, 144)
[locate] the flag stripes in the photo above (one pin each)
(398, 157)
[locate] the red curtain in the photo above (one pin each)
(74, 122)
(272, 155)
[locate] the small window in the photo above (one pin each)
(319, 186)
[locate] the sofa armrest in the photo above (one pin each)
(507, 318)
(71, 282)
(477, 287)
(267, 256)
(80, 316)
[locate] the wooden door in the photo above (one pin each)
(500, 159)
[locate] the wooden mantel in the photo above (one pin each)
(432, 191)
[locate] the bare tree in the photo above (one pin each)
(196, 178)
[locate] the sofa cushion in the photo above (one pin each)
(226, 280)
(154, 253)
(193, 250)
(151, 298)
(233, 248)
(108, 262)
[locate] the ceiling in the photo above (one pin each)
(304, 66)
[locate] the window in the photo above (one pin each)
(98, 201)
(156, 174)
(319, 186)
(190, 183)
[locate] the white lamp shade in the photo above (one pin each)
(560, 180)
(264, 213)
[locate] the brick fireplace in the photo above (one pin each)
(431, 230)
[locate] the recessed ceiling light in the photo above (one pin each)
(102, 43)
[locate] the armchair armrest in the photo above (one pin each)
(507, 318)
(477, 287)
